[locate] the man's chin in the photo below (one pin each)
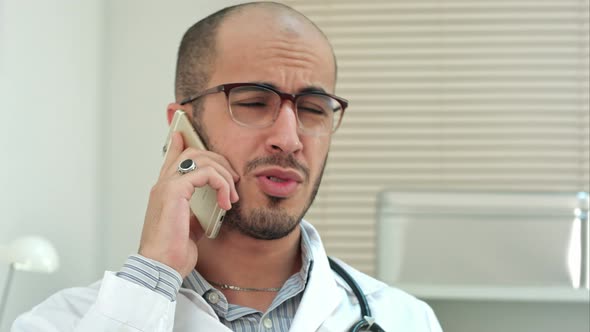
(270, 223)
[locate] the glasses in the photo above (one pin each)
(257, 106)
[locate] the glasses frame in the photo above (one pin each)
(226, 88)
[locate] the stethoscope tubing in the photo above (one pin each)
(364, 323)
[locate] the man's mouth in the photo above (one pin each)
(275, 179)
(278, 182)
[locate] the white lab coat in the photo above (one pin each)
(328, 304)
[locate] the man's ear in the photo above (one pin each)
(171, 109)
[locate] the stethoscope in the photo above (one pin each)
(367, 322)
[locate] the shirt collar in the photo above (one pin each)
(197, 283)
(306, 255)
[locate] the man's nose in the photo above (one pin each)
(283, 135)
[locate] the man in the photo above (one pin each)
(268, 138)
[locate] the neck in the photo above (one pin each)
(235, 259)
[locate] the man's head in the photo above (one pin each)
(280, 165)
(197, 52)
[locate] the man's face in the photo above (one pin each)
(280, 168)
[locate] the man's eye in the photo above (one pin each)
(250, 104)
(312, 111)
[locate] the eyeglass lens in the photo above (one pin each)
(258, 107)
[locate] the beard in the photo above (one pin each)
(272, 221)
(261, 223)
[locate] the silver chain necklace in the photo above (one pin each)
(244, 289)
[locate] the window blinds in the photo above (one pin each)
(480, 95)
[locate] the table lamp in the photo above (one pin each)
(30, 254)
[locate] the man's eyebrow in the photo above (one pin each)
(311, 88)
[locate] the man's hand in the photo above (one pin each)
(170, 230)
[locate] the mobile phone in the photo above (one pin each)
(204, 201)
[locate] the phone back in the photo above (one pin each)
(204, 201)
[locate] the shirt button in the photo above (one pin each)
(212, 297)
(267, 323)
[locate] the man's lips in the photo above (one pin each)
(278, 182)
(284, 174)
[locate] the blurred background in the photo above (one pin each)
(453, 176)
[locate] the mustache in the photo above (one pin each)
(284, 160)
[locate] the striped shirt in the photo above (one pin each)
(279, 316)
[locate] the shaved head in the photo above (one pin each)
(198, 50)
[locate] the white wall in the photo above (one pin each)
(50, 106)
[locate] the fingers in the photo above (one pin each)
(225, 173)
(210, 176)
(212, 169)
(205, 162)
(223, 162)
(206, 158)
(175, 148)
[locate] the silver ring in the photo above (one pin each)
(186, 166)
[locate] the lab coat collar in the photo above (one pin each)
(199, 301)
(367, 285)
(322, 295)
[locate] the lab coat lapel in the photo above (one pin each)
(322, 295)
(193, 312)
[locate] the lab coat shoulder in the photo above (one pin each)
(392, 308)
(61, 311)
(113, 304)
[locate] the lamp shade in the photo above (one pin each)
(31, 254)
